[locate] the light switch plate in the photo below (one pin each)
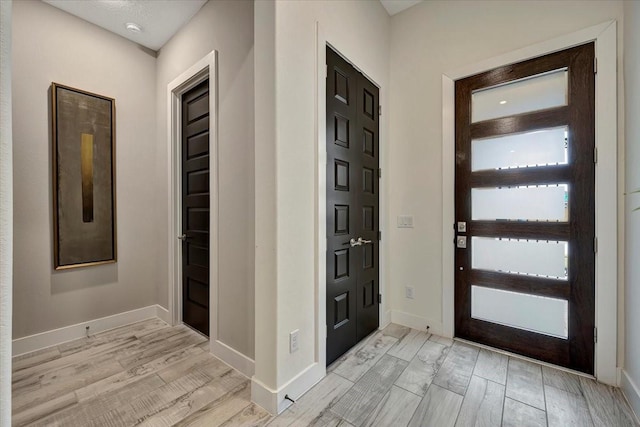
(405, 221)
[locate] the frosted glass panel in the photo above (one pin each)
(539, 148)
(549, 316)
(519, 256)
(522, 96)
(525, 203)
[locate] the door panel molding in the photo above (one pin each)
(604, 36)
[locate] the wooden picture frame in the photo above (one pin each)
(84, 179)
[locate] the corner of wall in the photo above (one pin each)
(274, 401)
(6, 213)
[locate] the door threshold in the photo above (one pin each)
(525, 358)
(196, 331)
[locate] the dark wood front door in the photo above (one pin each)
(195, 207)
(525, 208)
(352, 206)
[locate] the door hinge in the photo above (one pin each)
(379, 110)
(379, 235)
(379, 298)
(595, 335)
(379, 173)
(595, 65)
(595, 154)
(595, 245)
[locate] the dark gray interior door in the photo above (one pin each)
(352, 206)
(195, 207)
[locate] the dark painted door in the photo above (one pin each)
(195, 207)
(525, 209)
(352, 206)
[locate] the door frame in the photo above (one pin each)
(205, 68)
(606, 209)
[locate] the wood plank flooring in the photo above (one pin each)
(147, 374)
(400, 377)
(150, 374)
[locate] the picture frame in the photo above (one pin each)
(84, 179)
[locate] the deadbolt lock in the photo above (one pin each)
(462, 227)
(461, 242)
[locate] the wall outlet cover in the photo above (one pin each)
(409, 292)
(293, 341)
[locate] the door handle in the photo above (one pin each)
(362, 241)
(183, 237)
(353, 242)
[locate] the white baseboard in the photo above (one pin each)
(632, 392)
(385, 319)
(58, 336)
(163, 314)
(416, 322)
(274, 401)
(233, 358)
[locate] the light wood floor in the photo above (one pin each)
(154, 375)
(403, 377)
(146, 374)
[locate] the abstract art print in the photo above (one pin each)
(84, 198)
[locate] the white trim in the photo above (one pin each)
(632, 393)
(416, 322)
(68, 333)
(6, 213)
(200, 71)
(233, 358)
(604, 36)
(274, 401)
(448, 205)
(607, 206)
(163, 314)
(321, 201)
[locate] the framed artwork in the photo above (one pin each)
(84, 188)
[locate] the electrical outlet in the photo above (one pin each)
(293, 341)
(408, 292)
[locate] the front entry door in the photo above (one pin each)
(525, 221)
(195, 207)
(352, 206)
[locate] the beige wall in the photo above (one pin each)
(52, 46)
(226, 26)
(631, 372)
(286, 136)
(428, 40)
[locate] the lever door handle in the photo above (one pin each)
(183, 237)
(362, 241)
(353, 242)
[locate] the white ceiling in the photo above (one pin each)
(397, 6)
(159, 19)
